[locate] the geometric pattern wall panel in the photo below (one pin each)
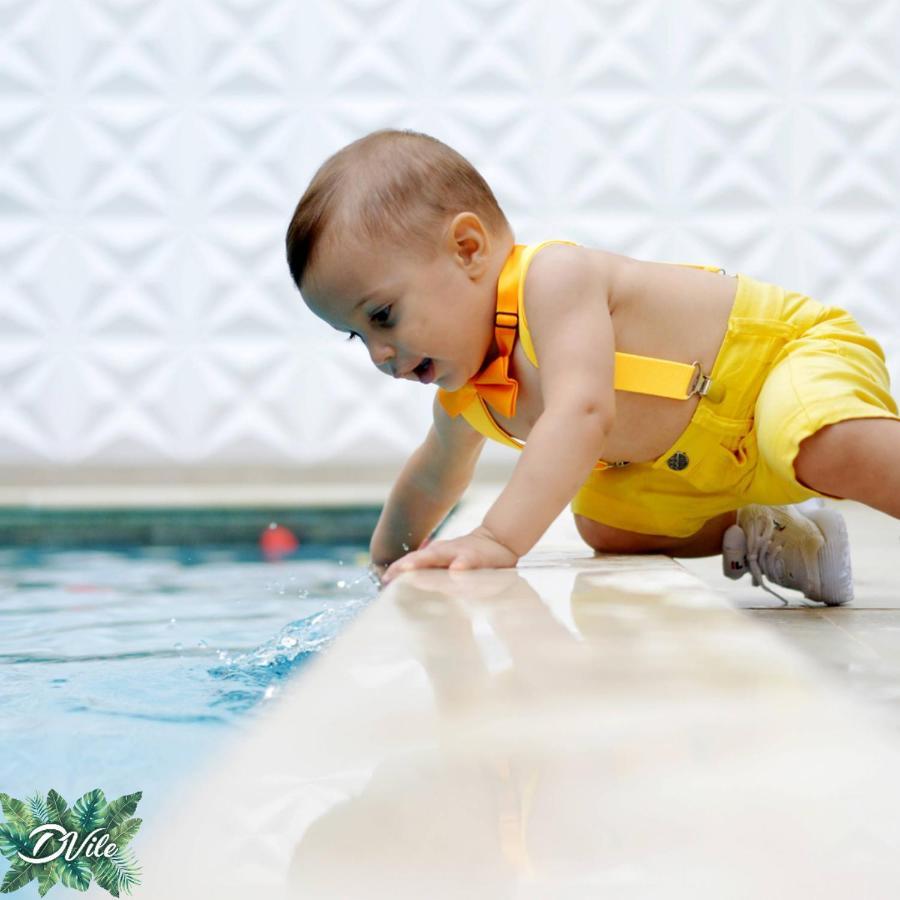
(151, 152)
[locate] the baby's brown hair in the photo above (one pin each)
(390, 183)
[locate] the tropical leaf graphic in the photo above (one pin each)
(89, 812)
(19, 874)
(58, 809)
(116, 874)
(17, 813)
(39, 811)
(122, 834)
(120, 872)
(13, 838)
(120, 809)
(48, 875)
(76, 873)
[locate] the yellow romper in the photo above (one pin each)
(787, 367)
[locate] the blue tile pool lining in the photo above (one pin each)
(116, 526)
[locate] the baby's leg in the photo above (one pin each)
(707, 541)
(825, 419)
(857, 459)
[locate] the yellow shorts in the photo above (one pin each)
(789, 366)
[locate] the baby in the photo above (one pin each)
(678, 408)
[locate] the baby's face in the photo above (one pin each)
(423, 320)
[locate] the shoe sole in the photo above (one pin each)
(834, 557)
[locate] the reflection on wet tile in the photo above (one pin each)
(859, 644)
(877, 629)
(813, 633)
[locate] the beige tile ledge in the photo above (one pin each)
(213, 493)
(216, 494)
(574, 728)
(178, 486)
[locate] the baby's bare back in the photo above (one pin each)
(657, 309)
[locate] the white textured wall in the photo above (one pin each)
(151, 154)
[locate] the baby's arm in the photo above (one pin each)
(568, 316)
(428, 486)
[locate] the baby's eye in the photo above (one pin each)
(381, 317)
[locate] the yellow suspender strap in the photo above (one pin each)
(521, 270)
(660, 377)
(478, 416)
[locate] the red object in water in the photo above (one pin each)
(277, 541)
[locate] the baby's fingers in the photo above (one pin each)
(404, 564)
(434, 556)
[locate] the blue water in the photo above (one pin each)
(131, 670)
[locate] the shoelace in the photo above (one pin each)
(768, 557)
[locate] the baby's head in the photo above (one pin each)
(399, 240)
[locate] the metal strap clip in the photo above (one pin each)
(700, 383)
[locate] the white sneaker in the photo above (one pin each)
(804, 547)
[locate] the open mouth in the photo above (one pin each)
(424, 371)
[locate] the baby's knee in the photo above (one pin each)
(606, 539)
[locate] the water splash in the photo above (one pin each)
(258, 671)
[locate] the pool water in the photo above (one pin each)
(128, 669)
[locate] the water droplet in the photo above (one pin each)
(202, 643)
(269, 692)
(273, 525)
(405, 547)
(342, 584)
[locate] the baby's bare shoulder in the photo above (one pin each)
(558, 267)
(567, 324)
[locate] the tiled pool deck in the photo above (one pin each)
(859, 644)
(578, 727)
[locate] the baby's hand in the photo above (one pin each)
(477, 550)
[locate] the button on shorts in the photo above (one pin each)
(789, 366)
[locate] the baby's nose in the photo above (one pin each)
(382, 354)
